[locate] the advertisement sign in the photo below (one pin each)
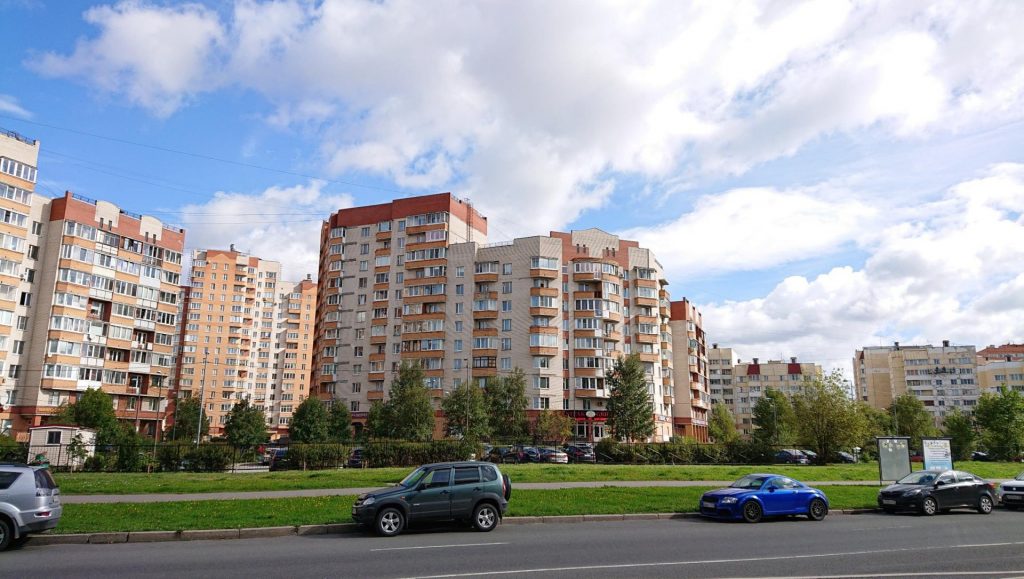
(937, 453)
(893, 457)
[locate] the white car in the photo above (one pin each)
(1011, 493)
(29, 502)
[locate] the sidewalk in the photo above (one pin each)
(165, 498)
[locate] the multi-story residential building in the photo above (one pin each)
(739, 385)
(560, 307)
(690, 371)
(942, 377)
(1001, 366)
(246, 334)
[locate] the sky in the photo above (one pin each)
(816, 176)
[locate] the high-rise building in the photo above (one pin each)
(1001, 366)
(942, 377)
(414, 280)
(690, 371)
(246, 334)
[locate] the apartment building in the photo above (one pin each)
(560, 307)
(1001, 366)
(246, 334)
(739, 385)
(690, 364)
(942, 377)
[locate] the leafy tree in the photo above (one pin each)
(246, 425)
(379, 421)
(722, 425)
(465, 412)
(339, 423)
(959, 427)
(77, 451)
(94, 409)
(506, 405)
(630, 409)
(411, 411)
(911, 418)
(876, 423)
(553, 427)
(774, 418)
(829, 420)
(1001, 419)
(310, 422)
(10, 449)
(186, 419)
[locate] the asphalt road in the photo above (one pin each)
(958, 544)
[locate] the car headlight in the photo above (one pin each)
(912, 492)
(729, 500)
(369, 501)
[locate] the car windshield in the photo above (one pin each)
(1020, 476)
(414, 478)
(749, 482)
(919, 478)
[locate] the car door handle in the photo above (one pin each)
(444, 492)
(477, 489)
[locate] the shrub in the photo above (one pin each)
(316, 456)
(400, 453)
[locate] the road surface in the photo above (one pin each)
(959, 544)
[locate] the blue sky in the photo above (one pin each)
(816, 176)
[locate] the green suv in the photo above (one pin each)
(462, 491)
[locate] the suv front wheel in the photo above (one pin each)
(390, 522)
(6, 534)
(485, 517)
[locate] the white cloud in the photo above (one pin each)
(953, 273)
(9, 105)
(279, 224)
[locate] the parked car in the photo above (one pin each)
(1011, 493)
(577, 453)
(553, 455)
(845, 457)
(933, 491)
(269, 453)
(278, 459)
(756, 496)
(471, 491)
(529, 454)
(355, 458)
(29, 502)
(791, 456)
(503, 454)
(980, 456)
(810, 454)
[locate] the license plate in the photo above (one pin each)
(709, 504)
(1011, 497)
(353, 511)
(888, 502)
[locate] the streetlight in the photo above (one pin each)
(202, 395)
(469, 395)
(160, 406)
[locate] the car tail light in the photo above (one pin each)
(44, 492)
(43, 514)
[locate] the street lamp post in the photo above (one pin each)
(160, 401)
(202, 395)
(469, 394)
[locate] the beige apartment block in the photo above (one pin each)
(690, 371)
(739, 385)
(246, 334)
(942, 377)
(415, 280)
(1001, 367)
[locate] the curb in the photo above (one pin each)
(339, 529)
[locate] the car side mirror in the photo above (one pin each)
(772, 489)
(939, 483)
(421, 486)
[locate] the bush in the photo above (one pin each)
(316, 456)
(11, 451)
(204, 458)
(400, 453)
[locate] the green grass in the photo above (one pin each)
(173, 516)
(141, 483)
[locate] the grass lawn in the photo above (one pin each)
(94, 518)
(140, 483)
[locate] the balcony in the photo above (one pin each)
(485, 314)
(374, 395)
(544, 273)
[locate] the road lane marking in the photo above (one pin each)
(714, 561)
(917, 574)
(438, 547)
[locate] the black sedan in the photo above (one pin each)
(933, 491)
(580, 454)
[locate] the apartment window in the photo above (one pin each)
(26, 299)
(506, 305)
(460, 271)
(506, 325)
(506, 363)
(460, 289)
(37, 228)
(458, 307)
(506, 344)
(506, 287)
(506, 269)
(541, 403)
(458, 345)
(353, 406)
(458, 326)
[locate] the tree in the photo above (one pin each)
(379, 421)
(774, 418)
(186, 419)
(1001, 419)
(959, 427)
(630, 409)
(77, 452)
(339, 423)
(465, 412)
(310, 422)
(722, 425)
(553, 427)
(910, 418)
(94, 409)
(828, 419)
(506, 406)
(246, 425)
(410, 404)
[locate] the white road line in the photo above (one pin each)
(920, 574)
(714, 561)
(437, 547)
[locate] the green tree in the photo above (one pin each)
(553, 427)
(339, 423)
(379, 421)
(77, 451)
(410, 404)
(630, 409)
(722, 425)
(186, 419)
(507, 405)
(876, 423)
(1001, 419)
(828, 419)
(310, 422)
(246, 425)
(910, 418)
(959, 427)
(465, 412)
(94, 409)
(774, 419)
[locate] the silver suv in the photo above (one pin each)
(29, 502)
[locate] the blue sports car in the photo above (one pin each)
(756, 496)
